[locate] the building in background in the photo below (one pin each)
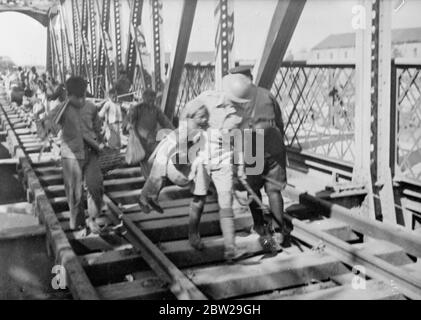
(340, 48)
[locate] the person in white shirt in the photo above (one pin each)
(111, 113)
(57, 97)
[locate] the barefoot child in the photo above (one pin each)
(170, 159)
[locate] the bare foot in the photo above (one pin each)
(144, 206)
(93, 226)
(196, 242)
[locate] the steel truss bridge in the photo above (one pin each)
(358, 123)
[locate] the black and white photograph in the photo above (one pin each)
(211, 157)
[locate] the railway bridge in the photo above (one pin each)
(354, 158)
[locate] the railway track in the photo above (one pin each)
(149, 256)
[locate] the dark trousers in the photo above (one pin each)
(75, 172)
(272, 169)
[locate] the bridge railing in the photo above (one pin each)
(407, 78)
(196, 78)
(317, 104)
(318, 107)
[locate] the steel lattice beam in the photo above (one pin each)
(93, 45)
(135, 22)
(76, 41)
(141, 77)
(284, 21)
(57, 59)
(64, 25)
(105, 66)
(50, 57)
(381, 84)
(156, 25)
(361, 171)
(63, 50)
(374, 87)
(224, 39)
(117, 30)
(84, 48)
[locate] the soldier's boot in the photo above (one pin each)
(277, 207)
(232, 253)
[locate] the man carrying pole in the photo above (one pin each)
(81, 141)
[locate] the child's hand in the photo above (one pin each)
(241, 173)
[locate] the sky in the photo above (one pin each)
(24, 40)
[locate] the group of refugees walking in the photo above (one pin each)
(209, 150)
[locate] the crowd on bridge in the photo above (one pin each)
(226, 140)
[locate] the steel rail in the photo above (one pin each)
(377, 268)
(180, 285)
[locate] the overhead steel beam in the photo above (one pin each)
(93, 46)
(76, 40)
(135, 20)
(169, 98)
(157, 30)
(381, 82)
(224, 40)
(117, 31)
(64, 25)
(84, 48)
(56, 52)
(49, 63)
(284, 21)
(63, 50)
(82, 30)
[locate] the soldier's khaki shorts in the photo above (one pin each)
(221, 176)
(272, 170)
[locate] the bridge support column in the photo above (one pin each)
(372, 127)
(383, 189)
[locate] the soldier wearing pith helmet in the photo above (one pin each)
(264, 113)
(226, 114)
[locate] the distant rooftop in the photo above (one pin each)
(347, 40)
(193, 57)
(206, 58)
